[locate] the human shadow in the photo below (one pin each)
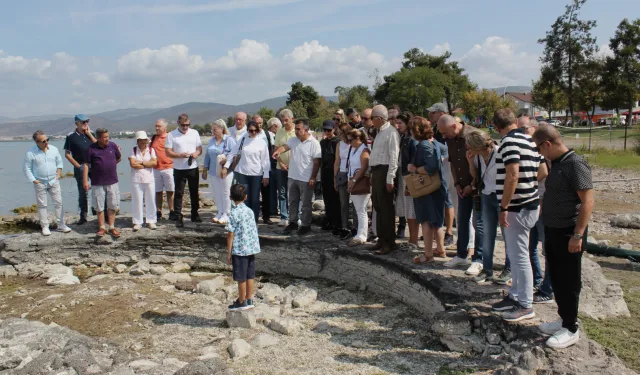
(183, 319)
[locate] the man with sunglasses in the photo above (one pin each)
(331, 198)
(75, 146)
(184, 146)
(354, 118)
(43, 168)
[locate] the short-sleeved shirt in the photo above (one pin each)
(77, 144)
(180, 143)
(302, 156)
(103, 163)
(245, 232)
(158, 144)
(145, 175)
(518, 147)
(561, 204)
(328, 147)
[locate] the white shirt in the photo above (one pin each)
(488, 172)
(385, 150)
(254, 157)
(142, 176)
(354, 160)
(344, 153)
(181, 143)
(301, 159)
(237, 133)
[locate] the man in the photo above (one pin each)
(384, 164)
(566, 211)
(163, 171)
(240, 128)
(265, 191)
(367, 124)
(303, 169)
(517, 165)
(393, 113)
(43, 168)
(76, 145)
(354, 118)
(102, 160)
(331, 198)
(282, 170)
(184, 146)
(273, 125)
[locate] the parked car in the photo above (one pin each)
(554, 122)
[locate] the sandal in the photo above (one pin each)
(420, 259)
(440, 255)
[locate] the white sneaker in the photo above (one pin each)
(299, 222)
(563, 339)
(224, 219)
(152, 226)
(474, 269)
(456, 262)
(64, 229)
(282, 223)
(550, 328)
(46, 231)
(137, 227)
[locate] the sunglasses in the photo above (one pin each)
(327, 130)
(44, 141)
(85, 122)
(252, 131)
(186, 125)
(337, 119)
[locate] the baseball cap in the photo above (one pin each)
(328, 125)
(141, 135)
(438, 107)
(81, 117)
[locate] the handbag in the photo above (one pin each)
(420, 184)
(236, 158)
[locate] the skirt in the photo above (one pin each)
(404, 203)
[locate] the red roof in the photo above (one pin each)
(521, 96)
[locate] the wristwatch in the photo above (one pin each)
(578, 236)
(353, 180)
(504, 209)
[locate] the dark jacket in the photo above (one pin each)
(408, 146)
(328, 148)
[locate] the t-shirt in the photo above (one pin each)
(518, 147)
(282, 136)
(142, 176)
(561, 204)
(302, 155)
(77, 144)
(103, 163)
(245, 232)
(158, 144)
(328, 147)
(487, 171)
(180, 143)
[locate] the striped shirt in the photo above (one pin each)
(518, 147)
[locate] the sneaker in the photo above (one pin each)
(101, 232)
(484, 277)
(448, 240)
(542, 298)
(372, 238)
(563, 339)
(290, 228)
(114, 232)
(518, 313)
(173, 216)
(152, 226)
(267, 221)
(137, 227)
(299, 222)
(64, 229)
(46, 231)
(550, 328)
(250, 303)
(224, 220)
(504, 278)
(159, 215)
(196, 219)
(180, 221)
(304, 230)
(346, 234)
(474, 269)
(507, 303)
(400, 233)
(355, 242)
(282, 223)
(83, 220)
(456, 262)
(237, 306)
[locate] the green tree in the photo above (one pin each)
(207, 129)
(416, 89)
(547, 94)
(266, 113)
(230, 121)
(298, 108)
(590, 86)
(198, 128)
(567, 46)
(625, 45)
(358, 97)
(325, 111)
(484, 103)
(308, 98)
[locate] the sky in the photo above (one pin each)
(89, 56)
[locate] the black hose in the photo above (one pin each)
(610, 251)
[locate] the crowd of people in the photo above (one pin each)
(429, 173)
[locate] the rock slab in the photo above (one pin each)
(239, 348)
(285, 326)
(241, 319)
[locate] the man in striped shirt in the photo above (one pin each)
(517, 164)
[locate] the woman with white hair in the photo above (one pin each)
(143, 192)
(218, 150)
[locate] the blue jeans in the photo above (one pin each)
(465, 209)
(536, 235)
(490, 212)
(282, 179)
(252, 184)
(83, 195)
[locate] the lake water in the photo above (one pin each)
(17, 191)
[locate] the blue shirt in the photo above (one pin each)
(242, 224)
(77, 144)
(42, 166)
(214, 149)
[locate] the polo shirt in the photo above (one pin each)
(103, 163)
(518, 147)
(302, 156)
(77, 144)
(282, 136)
(158, 144)
(180, 143)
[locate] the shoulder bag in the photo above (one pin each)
(236, 158)
(363, 185)
(420, 184)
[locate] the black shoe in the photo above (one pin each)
(173, 216)
(267, 221)
(82, 220)
(159, 215)
(372, 238)
(345, 234)
(290, 228)
(541, 298)
(180, 222)
(507, 303)
(448, 239)
(304, 230)
(337, 232)
(327, 226)
(93, 211)
(400, 233)
(196, 219)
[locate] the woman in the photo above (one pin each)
(253, 167)
(217, 153)
(404, 202)
(341, 179)
(429, 208)
(357, 165)
(143, 191)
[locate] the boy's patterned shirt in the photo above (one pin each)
(245, 232)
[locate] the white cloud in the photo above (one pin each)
(19, 67)
(145, 64)
(101, 78)
(440, 49)
(76, 82)
(250, 54)
(63, 62)
(604, 51)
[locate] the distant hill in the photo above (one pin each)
(501, 90)
(121, 114)
(34, 118)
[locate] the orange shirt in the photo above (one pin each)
(164, 162)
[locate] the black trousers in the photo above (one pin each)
(384, 204)
(181, 177)
(331, 200)
(265, 191)
(565, 269)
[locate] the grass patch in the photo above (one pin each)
(622, 335)
(26, 209)
(604, 157)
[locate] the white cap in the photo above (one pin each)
(141, 135)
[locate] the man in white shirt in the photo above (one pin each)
(184, 146)
(304, 164)
(240, 129)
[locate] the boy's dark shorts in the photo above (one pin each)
(244, 267)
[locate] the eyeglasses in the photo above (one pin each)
(540, 144)
(44, 141)
(252, 131)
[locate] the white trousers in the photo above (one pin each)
(221, 189)
(143, 201)
(360, 203)
(41, 199)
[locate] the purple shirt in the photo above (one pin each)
(103, 165)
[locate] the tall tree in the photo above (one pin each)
(308, 98)
(625, 45)
(416, 89)
(484, 103)
(266, 113)
(358, 97)
(590, 86)
(567, 46)
(547, 94)
(230, 121)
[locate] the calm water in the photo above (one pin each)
(17, 191)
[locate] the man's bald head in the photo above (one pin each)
(448, 126)
(545, 133)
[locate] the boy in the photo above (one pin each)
(242, 245)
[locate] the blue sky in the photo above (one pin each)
(69, 56)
